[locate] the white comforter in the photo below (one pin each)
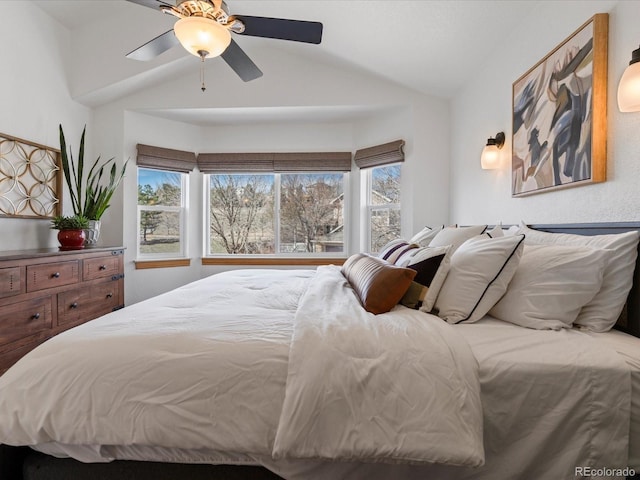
(397, 387)
(212, 367)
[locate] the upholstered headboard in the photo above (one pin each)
(629, 320)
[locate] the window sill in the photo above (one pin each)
(176, 262)
(272, 261)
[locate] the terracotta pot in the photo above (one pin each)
(71, 239)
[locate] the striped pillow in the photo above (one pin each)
(396, 249)
(378, 284)
(431, 265)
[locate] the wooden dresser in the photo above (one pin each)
(44, 292)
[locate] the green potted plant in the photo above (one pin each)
(90, 196)
(72, 231)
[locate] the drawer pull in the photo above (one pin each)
(35, 316)
(55, 275)
(103, 267)
(109, 295)
(74, 305)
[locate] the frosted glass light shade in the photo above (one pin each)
(202, 34)
(629, 89)
(490, 158)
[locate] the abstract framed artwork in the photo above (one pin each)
(560, 115)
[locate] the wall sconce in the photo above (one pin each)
(629, 86)
(490, 158)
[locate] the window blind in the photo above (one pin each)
(379, 155)
(312, 162)
(274, 162)
(235, 162)
(165, 159)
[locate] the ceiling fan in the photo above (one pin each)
(204, 29)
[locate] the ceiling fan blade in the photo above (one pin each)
(281, 28)
(155, 4)
(240, 62)
(155, 47)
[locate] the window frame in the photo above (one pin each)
(277, 177)
(369, 207)
(183, 216)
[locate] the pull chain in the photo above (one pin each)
(203, 54)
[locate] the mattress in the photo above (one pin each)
(508, 355)
(205, 372)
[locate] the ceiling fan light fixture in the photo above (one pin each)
(198, 34)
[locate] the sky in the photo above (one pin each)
(155, 178)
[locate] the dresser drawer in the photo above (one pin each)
(51, 275)
(11, 281)
(22, 319)
(9, 357)
(88, 303)
(100, 267)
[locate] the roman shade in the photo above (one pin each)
(312, 162)
(165, 159)
(274, 162)
(235, 162)
(379, 155)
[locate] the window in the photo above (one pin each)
(276, 213)
(311, 213)
(382, 205)
(241, 214)
(161, 213)
(380, 166)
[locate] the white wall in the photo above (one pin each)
(146, 129)
(34, 100)
(483, 108)
(288, 81)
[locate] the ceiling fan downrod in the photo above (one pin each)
(203, 54)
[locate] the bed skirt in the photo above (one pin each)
(22, 463)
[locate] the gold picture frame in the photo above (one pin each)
(559, 117)
(30, 179)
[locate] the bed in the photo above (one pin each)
(283, 374)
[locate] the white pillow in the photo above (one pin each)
(602, 312)
(551, 285)
(456, 236)
(496, 231)
(424, 236)
(480, 271)
(512, 230)
(432, 265)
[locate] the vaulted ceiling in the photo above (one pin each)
(430, 46)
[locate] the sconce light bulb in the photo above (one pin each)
(629, 87)
(490, 158)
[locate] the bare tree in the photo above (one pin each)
(169, 194)
(308, 207)
(386, 184)
(237, 205)
(385, 192)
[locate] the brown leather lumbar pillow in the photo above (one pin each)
(379, 284)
